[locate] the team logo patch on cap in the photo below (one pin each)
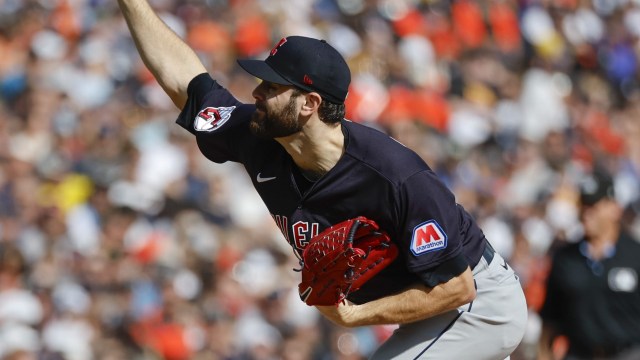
(427, 237)
(275, 48)
(211, 118)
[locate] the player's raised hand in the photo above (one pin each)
(172, 62)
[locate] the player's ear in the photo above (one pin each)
(311, 103)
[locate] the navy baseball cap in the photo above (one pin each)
(307, 63)
(596, 187)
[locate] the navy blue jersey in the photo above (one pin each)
(376, 177)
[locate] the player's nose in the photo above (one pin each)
(258, 91)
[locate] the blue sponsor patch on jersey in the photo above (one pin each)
(428, 237)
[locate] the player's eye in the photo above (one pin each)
(270, 86)
(272, 89)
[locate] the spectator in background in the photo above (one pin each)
(593, 292)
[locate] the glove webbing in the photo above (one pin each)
(336, 241)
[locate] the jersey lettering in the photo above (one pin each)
(302, 231)
(314, 230)
(427, 237)
(299, 237)
(283, 223)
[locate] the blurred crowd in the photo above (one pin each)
(118, 240)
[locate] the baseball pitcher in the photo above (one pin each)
(381, 240)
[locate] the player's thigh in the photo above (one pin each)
(476, 337)
(411, 340)
(462, 337)
(490, 328)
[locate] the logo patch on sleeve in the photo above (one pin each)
(427, 237)
(211, 118)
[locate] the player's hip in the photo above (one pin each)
(490, 327)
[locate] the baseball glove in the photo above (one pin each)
(339, 260)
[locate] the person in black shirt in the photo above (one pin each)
(452, 295)
(593, 297)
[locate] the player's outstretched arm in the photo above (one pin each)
(172, 62)
(416, 303)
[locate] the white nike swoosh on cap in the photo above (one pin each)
(261, 179)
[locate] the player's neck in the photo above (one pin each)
(317, 148)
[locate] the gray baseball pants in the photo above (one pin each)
(489, 328)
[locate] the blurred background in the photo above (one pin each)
(118, 240)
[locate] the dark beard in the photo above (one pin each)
(270, 124)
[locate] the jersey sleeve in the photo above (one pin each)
(431, 237)
(217, 119)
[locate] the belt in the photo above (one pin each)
(488, 252)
